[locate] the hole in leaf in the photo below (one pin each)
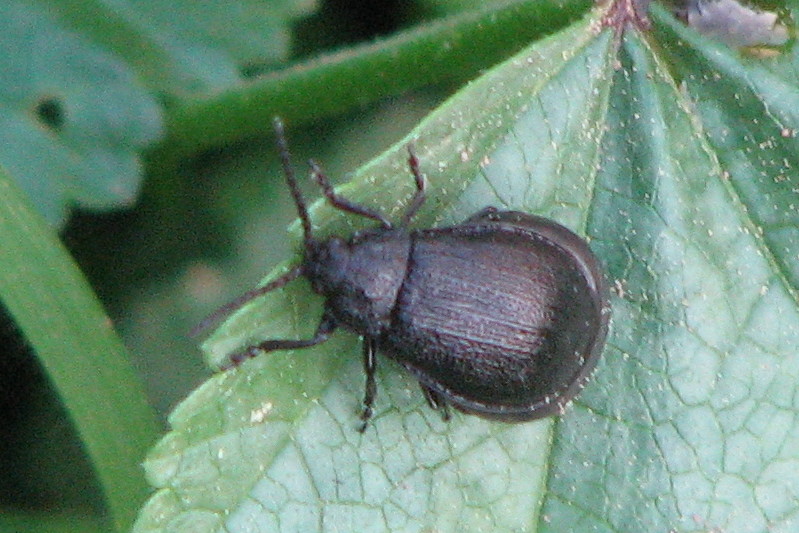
(50, 112)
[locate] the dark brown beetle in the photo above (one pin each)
(503, 316)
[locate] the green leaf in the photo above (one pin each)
(75, 110)
(53, 306)
(185, 47)
(677, 160)
(73, 117)
(236, 439)
(693, 420)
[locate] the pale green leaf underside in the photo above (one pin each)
(693, 419)
(689, 422)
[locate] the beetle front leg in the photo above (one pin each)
(326, 326)
(370, 392)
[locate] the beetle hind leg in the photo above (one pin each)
(436, 402)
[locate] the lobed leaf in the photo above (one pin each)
(73, 116)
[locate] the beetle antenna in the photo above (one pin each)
(288, 171)
(227, 309)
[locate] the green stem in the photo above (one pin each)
(61, 319)
(453, 48)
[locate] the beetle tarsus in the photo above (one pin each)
(421, 184)
(484, 213)
(370, 391)
(436, 402)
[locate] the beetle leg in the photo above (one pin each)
(369, 368)
(484, 213)
(326, 326)
(339, 202)
(436, 402)
(418, 197)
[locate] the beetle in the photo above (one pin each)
(503, 316)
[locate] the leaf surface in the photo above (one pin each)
(689, 423)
